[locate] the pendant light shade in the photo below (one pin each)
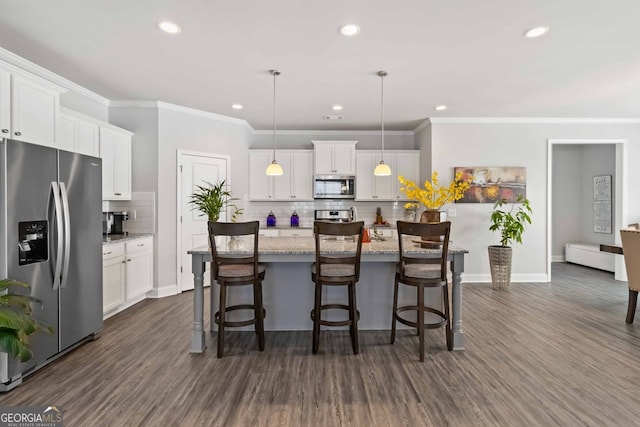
(382, 169)
(274, 169)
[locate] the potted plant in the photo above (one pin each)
(211, 200)
(510, 225)
(433, 196)
(16, 323)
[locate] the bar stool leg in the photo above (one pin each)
(447, 313)
(212, 310)
(316, 317)
(631, 308)
(223, 305)
(421, 320)
(393, 313)
(257, 304)
(353, 314)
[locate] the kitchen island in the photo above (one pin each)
(288, 289)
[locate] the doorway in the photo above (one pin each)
(195, 168)
(619, 191)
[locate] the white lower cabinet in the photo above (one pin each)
(127, 273)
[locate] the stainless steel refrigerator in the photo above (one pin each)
(51, 238)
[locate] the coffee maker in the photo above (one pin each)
(112, 222)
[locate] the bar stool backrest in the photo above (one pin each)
(631, 249)
(241, 250)
(338, 243)
(432, 235)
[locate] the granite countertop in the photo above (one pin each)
(117, 238)
(306, 246)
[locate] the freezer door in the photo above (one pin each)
(81, 286)
(29, 171)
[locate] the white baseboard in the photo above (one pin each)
(165, 291)
(124, 306)
(515, 278)
(558, 258)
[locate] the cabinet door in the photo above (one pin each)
(324, 159)
(139, 274)
(364, 176)
(87, 138)
(107, 153)
(67, 132)
(407, 165)
(259, 183)
(34, 112)
(344, 160)
(282, 185)
(5, 104)
(302, 175)
(122, 167)
(113, 277)
(384, 186)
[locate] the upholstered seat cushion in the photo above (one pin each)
(421, 271)
(238, 270)
(335, 270)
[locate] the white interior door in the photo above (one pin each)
(194, 170)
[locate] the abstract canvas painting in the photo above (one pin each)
(489, 184)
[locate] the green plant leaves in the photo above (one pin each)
(511, 225)
(212, 200)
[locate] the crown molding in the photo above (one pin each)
(335, 132)
(133, 104)
(22, 64)
(536, 120)
(425, 124)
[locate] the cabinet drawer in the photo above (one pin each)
(138, 245)
(268, 233)
(305, 232)
(112, 250)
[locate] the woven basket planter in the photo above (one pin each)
(500, 262)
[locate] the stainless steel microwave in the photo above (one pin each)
(334, 187)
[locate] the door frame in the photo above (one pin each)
(620, 194)
(180, 249)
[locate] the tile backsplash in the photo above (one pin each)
(391, 211)
(142, 211)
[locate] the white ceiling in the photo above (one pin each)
(467, 54)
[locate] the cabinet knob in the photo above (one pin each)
(129, 260)
(123, 262)
(5, 130)
(141, 244)
(118, 194)
(106, 253)
(18, 133)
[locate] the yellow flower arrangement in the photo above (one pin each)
(433, 195)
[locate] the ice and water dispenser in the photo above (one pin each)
(32, 242)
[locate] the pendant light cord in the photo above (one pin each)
(275, 73)
(382, 74)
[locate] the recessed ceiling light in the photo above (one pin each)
(536, 32)
(349, 30)
(337, 107)
(441, 107)
(169, 27)
(236, 106)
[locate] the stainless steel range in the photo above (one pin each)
(336, 215)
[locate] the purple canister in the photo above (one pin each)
(295, 219)
(271, 220)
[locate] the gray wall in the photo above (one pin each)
(485, 144)
(566, 202)
(596, 160)
(423, 143)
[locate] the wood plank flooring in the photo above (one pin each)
(540, 354)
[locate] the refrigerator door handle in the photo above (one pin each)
(67, 234)
(59, 253)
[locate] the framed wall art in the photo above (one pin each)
(493, 183)
(602, 204)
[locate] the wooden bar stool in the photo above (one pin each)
(420, 272)
(236, 270)
(338, 250)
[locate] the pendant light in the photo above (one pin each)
(382, 169)
(274, 169)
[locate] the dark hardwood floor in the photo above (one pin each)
(540, 354)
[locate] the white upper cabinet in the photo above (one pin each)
(371, 187)
(296, 182)
(260, 185)
(335, 157)
(78, 134)
(28, 109)
(115, 151)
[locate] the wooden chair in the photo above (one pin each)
(421, 272)
(336, 266)
(236, 270)
(631, 250)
